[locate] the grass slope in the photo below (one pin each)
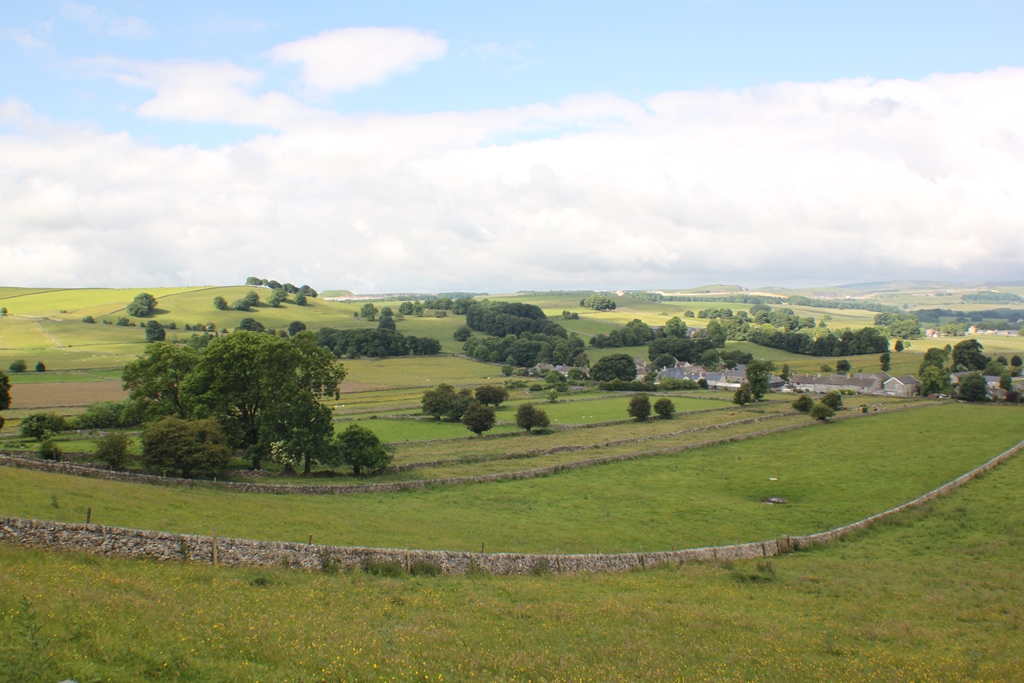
(934, 595)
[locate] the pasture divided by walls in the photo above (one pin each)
(133, 543)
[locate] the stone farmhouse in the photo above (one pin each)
(725, 379)
(878, 383)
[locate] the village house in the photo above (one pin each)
(822, 384)
(904, 385)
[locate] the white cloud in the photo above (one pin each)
(203, 92)
(105, 21)
(349, 58)
(23, 38)
(828, 182)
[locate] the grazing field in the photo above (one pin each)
(831, 474)
(27, 396)
(418, 371)
(932, 595)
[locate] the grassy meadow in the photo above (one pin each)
(932, 595)
(831, 474)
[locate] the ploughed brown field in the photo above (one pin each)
(56, 395)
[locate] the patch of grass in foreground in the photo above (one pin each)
(831, 475)
(934, 596)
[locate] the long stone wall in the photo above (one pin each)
(133, 543)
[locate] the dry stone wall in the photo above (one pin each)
(133, 543)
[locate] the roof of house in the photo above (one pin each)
(834, 381)
(904, 379)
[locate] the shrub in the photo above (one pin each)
(665, 408)
(621, 385)
(89, 319)
(833, 400)
(251, 325)
(37, 425)
(40, 367)
(803, 404)
(220, 303)
(424, 568)
(639, 407)
(100, 415)
(48, 450)
(388, 568)
(673, 384)
(18, 366)
(822, 412)
(742, 396)
(113, 451)
(536, 386)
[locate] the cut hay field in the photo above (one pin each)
(831, 474)
(29, 396)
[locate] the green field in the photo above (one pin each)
(832, 474)
(931, 596)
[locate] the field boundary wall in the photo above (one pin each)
(134, 543)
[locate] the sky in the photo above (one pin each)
(485, 146)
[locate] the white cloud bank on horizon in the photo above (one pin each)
(851, 180)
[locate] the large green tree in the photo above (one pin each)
(478, 418)
(155, 332)
(759, 372)
(968, 355)
(528, 416)
(936, 358)
(934, 380)
(675, 327)
(141, 306)
(262, 389)
(445, 402)
(186, 447)
(491, 394)
(155, 379)
(972, 387)
(362, 450)
(615, 366)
